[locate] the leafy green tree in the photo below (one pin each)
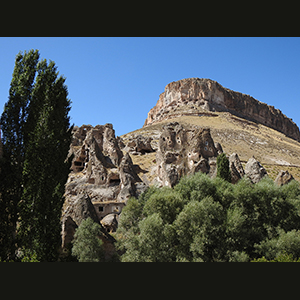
(200, 231)
(286, 243)
(205, 219)
(196, 187)
(282, 257)
(87, 245)
(13, 126)
(166, 202)
(45, 168)
(223, 170)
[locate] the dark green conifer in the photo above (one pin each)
(223, 170)
(13, 123)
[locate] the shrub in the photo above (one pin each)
(223, 170)
(204, 219)
(87, 246)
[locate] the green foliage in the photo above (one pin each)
(287, 243)
(282, 257)
(45, 169)
(13, 126)
(166, 203)
(29, 256)
(204, 219)
(36, 138)
(87, 246)
(223, 170)
(198, 228)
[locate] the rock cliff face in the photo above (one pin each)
(182, 151)
(203, 97)
(101, 181)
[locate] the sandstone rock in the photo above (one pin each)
(99, 166)
(198, 96)
(183, 151)
(102, 178)
(219, 148)
(236, 168)
(283, 177)
(254, 170)
(139, 145)
(110, 222)
(77, 211)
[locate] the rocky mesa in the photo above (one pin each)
(193, 122)
(203, 97)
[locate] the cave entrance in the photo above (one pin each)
(114, 182)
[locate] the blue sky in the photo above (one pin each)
(118, 80)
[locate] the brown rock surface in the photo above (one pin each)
(283, 177)
(236, 168)
(102, 178)
(254, 170)
(183, 151)
(202, 97)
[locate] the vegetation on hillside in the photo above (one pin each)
(87, 246)
(204, 219)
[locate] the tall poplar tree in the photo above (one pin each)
(45, 168)
(13, 123)
(36, 136)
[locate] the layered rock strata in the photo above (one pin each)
(203, 97)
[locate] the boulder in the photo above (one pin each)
(283, 177)
(254, 170)
(110, 222)
(236, 168)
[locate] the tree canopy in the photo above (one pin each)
(36, 136)
(204, 219)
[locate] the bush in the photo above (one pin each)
(204, 219)
(286, 243)
(223, 170)
(87, 246)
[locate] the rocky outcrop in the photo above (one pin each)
(102, 178)
(100, 168)
(283, 177)
(77, 211)
(184, 151)
(236, 168)
(254, 170)
(110, 222)
(198, 97)
(139, 144)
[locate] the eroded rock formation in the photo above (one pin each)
(198, 96)
(139, 144)
(283, 177)
(236, 168)
(254, 170)
(102, 178)
(183, 151)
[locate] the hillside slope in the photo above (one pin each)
(204, 97)
(272, 148)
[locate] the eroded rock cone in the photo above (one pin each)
(283, 177)
(102, 178)
(236, 168)
(254, 170)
